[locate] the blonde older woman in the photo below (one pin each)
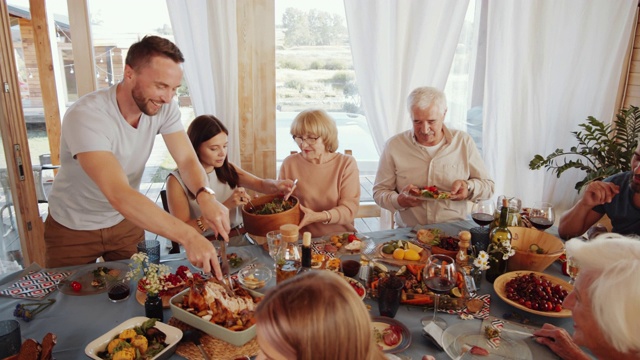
(300, 319)
(328, 182)
(604, 301)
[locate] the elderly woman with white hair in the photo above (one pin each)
(604, 302)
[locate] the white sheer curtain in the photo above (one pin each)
(550, 64)
(396, 47)
(205, 31)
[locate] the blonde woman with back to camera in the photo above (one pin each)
(301, 319)
(604, 301)
(328, 182)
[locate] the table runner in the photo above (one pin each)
(36, 285)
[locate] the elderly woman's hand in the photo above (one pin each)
(309, 216)
(560, 342)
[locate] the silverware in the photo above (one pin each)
(194, 337)
(295, 182)
(224, 266)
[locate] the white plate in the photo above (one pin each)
(470, 333)
(358, 284)
(424, 198)
(382, 322)
(100, 344)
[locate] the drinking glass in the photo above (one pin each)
(542, 215)
(273, 241)
(440, 277)
(482, 212)
(572, 269)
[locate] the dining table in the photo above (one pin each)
(78, 320)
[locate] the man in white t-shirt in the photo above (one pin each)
(429, 155)
(95, 207)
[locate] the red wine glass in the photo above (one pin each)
(439, 277)
(542, 215)
(483, 211)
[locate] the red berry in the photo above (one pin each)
(76, 286)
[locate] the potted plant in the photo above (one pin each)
(603, 150)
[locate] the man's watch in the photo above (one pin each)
(206, 189)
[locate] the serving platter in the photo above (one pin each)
(85, 277)
(382, 322)
(470, 333)
(502, 280)
(424, 254)
(100, 344)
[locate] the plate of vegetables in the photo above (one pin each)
(427, 193)
(391, 335)
(140, 336)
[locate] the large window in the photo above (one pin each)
(314, 68)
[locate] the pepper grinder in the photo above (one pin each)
(462, 258)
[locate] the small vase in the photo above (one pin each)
(153, 307)
(476, 274)
(498, 266)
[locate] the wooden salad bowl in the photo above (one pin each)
(258, 226)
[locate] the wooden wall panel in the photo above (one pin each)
(256, 86)
(14, 135)
(631, 93)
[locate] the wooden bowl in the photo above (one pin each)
(524, 259)
(259, 225)
(439, 250)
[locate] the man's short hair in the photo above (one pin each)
(140, 53)
(425, 96)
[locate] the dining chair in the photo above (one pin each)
(175, 246)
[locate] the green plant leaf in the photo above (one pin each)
(603, 149)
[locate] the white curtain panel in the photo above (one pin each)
(550, 64)
(205, 31)
(396, 47)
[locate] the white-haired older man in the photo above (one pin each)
(430, 154)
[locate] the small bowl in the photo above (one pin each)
(350, 268)
(254, 277)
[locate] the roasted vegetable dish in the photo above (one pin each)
(139, 343)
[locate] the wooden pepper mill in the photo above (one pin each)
(462, 258)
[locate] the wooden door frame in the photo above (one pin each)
(16, 147)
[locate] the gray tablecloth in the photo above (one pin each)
(77, 320)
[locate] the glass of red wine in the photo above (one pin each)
(439, 277)
(542, 215)
(482, 212)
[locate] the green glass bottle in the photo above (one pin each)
(499, 234)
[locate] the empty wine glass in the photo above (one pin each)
(482, 212)
(572, 269)
(440, 277)
(542, 215)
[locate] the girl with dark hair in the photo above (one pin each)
(209, 138)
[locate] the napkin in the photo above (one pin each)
(35, 284)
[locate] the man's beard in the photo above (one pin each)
(635, 186)
(142, 102)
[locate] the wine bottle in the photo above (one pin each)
(306, 252)
(499, 234)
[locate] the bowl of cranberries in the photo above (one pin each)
(534, 292)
